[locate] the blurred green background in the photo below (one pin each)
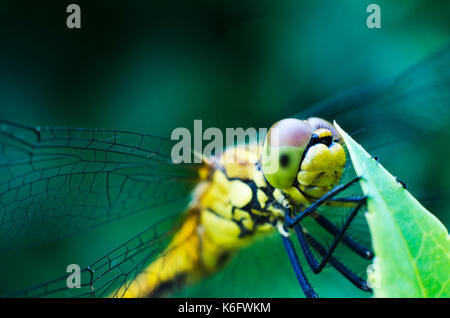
(152, 66)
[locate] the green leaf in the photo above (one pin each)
(411, 245)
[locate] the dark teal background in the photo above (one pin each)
(152, 66)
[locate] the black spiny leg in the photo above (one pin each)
(310, 209)
(291, 222)
(347, 273)
(299, 273)
(347, 240)
(318, 267)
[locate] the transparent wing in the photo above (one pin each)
(409, 108)
(415, 102)
(114, 270)
(55, 182)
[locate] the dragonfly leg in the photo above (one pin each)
(299, 273)
(359, 249)
(318, 267)
(290, 222)
(306, 238)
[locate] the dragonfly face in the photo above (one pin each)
(304, 159)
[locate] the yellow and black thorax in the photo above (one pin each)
(236, 201)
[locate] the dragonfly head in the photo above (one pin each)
(307, 155)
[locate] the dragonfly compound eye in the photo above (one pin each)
(283, 150)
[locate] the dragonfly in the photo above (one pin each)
(57, 182)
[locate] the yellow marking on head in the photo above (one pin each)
(321, 169)
(322, 132)
(320, 157)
